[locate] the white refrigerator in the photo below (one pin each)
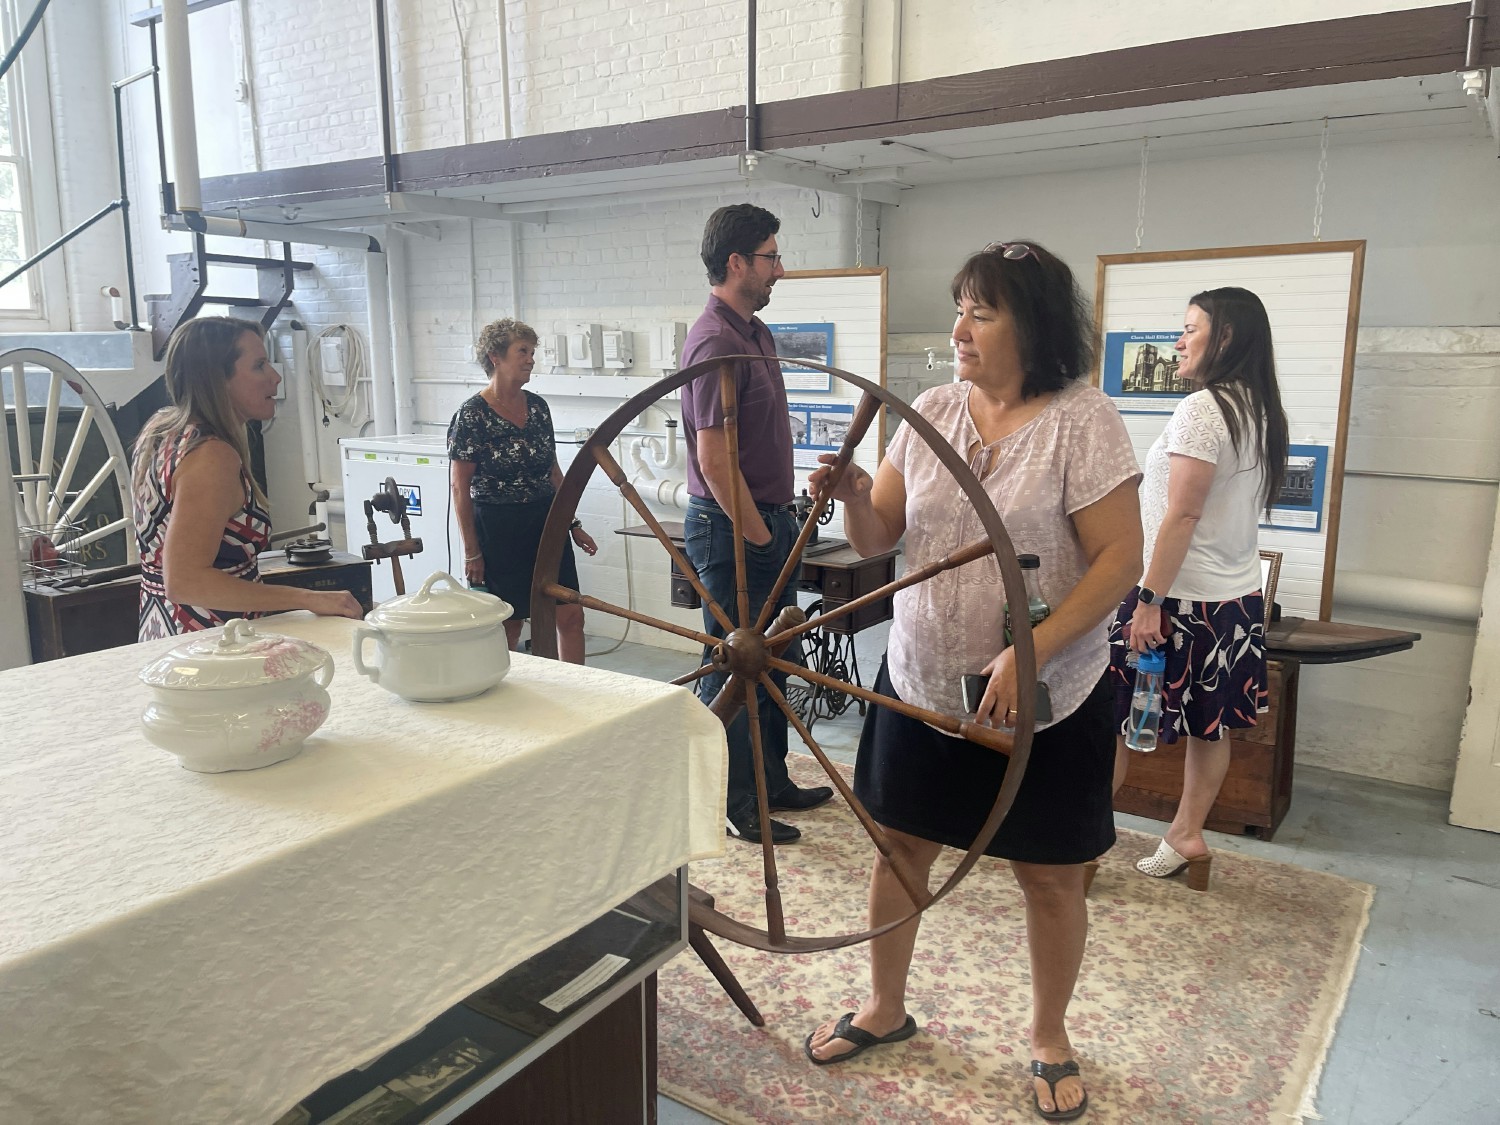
(419, 464)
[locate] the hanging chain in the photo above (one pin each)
(1140, 207)
(859, 226)
(1322, 185)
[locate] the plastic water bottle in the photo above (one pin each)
(1145, 701)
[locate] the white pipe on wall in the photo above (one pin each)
(400, 331)
(1407, 596)
(177, 67)
(307, 405)
(378, 302)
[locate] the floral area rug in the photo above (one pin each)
(1191, 1008)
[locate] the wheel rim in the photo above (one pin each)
(44, 508)
(750, 658)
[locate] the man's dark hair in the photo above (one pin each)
(737, 229)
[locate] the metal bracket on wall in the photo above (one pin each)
(768, 168)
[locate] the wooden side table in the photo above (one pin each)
(1257, 790)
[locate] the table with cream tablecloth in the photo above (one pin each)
(182, 947)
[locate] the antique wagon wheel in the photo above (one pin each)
(44, 483)
(749, 651)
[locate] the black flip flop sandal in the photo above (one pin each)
(1052, 1074)
(861, 1038)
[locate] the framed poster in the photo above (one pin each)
(813, 342)
(1140, 372)
(1311, 293)
(1299, 504)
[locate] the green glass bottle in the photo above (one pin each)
(1031, 572)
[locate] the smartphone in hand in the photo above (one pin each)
(973, 686)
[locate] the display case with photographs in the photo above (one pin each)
(474, 1047)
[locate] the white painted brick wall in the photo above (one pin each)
(572, 66)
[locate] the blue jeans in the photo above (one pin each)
(710, 548)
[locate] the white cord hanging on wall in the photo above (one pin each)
(1322, 185)
(1140, 205)
(356, 368)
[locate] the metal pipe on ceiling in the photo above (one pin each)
(752, 125)
(178, 68)
(383, 69)
(1474, 50)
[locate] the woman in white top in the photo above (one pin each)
(1053, 455)
(1217, 465)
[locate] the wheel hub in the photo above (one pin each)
(742, 652)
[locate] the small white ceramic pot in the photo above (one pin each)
(441, 643)
(236, 701)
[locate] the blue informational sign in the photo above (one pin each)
(817, 427)
(813, 342)
(413, 494)
(1140, 372)
(1299, 504)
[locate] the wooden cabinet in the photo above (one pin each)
(1258, 788)
(92, 618)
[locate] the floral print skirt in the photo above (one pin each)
(1216, 666)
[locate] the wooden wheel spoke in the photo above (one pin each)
(914, 889)
(859, 425)
(729, 397)
(617, 476)
(988, 737)
(573, 597)
(975, 550)
(692, 677)
(775, 918)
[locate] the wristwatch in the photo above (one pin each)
(576, 525)
(1148, 596)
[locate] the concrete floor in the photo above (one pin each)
(1419, 1039)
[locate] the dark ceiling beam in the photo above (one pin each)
(1322, 53)
(1328, 52)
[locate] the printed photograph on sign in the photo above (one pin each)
(812, 342)
(817, 427)
(1299, 504)
(1140, 372)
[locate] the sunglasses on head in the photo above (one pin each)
(1014, 251)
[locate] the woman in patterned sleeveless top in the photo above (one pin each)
(200, 519)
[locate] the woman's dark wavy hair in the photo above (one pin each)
(1051, 314)
(1239, 370)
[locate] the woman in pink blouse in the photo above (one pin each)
(1054, 457)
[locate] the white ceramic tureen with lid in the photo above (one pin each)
(237, 700)
(443, 642)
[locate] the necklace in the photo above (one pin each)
(515, 413)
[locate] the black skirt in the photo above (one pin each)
(928, 784)
(509, 535)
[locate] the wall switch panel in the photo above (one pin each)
(618, 350)
(585, 345)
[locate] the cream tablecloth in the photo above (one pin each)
(192, 948)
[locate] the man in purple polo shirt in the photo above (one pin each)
(739, 250)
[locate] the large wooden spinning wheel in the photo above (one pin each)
(752, 646)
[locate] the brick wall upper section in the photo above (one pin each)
(573, 65)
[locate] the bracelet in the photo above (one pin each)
(576, 525)
(474, 558)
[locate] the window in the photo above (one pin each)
(21, 299)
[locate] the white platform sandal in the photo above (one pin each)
(1166, 862)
